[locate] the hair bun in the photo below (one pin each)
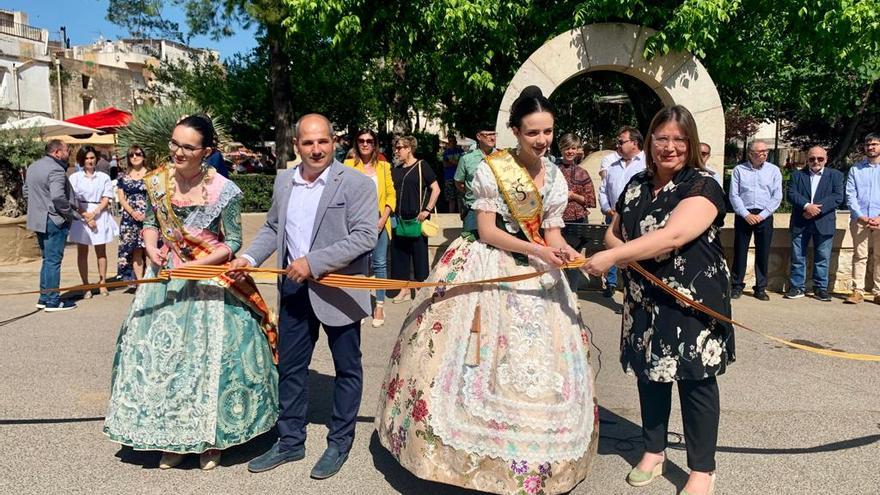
(531, 92)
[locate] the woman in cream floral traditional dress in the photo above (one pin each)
(489, 387)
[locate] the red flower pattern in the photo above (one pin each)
(420, 410)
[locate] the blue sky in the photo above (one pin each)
(86, 20)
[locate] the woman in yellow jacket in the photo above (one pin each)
(366, 160)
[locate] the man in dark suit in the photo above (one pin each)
(815, 192)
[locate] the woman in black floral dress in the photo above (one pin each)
(132, 196)
(669, 220)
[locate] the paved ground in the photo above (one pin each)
(792, 422)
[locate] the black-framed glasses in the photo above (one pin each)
(366, 141)
(621, 142)
(188, 149)
(137, 153)
(816, 159)
(400, 147)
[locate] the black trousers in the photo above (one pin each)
(574, 236)
(742, 234)
(700, 412)
(409, 255)
(297, 335)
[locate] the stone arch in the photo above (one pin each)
(677, 77)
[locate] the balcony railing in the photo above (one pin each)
(21, 30)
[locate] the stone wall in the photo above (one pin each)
(840, 271)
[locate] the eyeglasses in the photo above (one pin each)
(486, 134)
(816, 159)
(705, 153)
(400, 147)
(759, 152)
(621, 142)
(679, 142)
(188, 149)
(365, 141)
(139, 153)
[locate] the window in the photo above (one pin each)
(85, 81)
(87, 105)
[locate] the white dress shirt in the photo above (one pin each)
(301, 211)
(616, 177)
(815, 177)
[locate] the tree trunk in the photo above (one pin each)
(399, 106)
(279, 80)
(843, 145)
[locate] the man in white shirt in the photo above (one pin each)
(322, 220)
(618, 174)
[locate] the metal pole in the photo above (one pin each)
(60, 93)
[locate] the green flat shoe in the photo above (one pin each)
(637, 477)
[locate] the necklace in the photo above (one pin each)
(203, 176)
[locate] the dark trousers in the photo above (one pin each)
(742, 236)
(409, 253)
(700, 412)
(298, 333)
(574, 236)
(52, 245)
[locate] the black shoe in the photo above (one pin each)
(761, 295)
(608, 291)
(822, 295)
(275, 457)
(793, 293)
(736, 293)
(330, 463)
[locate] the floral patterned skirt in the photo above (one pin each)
(490, 387)
(192, 371)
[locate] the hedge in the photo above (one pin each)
(257, 189)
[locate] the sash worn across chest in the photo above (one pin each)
(520, 194)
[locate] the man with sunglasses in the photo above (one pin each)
(863, 198)
(632, 161)
(705, 153)
(815, 192)
(755, 193)
(467, 167)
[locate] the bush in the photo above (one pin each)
(257, 189)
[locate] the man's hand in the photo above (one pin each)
(811, 210)
(238, 264)
(299, 270)
(754, 219)
(874, 223)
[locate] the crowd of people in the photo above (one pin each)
(488, 387)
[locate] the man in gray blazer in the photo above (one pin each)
(322, 220)
(50, 209)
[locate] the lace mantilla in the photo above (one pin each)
(203, 216)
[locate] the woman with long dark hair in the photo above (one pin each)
(366, 160)
(131, 193)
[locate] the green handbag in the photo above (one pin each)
(408, 228)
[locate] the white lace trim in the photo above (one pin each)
(203, 216)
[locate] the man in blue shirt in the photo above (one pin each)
(863, 199)
(755, 193)
(617, 175)
(815, 192)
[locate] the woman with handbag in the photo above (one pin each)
(367, 161)
(409, 248)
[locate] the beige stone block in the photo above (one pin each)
(654, 71)
(692, 87)
(710, 125)
(610, 46)
(563, 57)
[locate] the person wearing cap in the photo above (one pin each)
(467, 167)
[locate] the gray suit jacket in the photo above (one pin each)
(343, 237)
(49, 195)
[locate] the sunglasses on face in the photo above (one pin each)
(400, 147)
(705, 153)
(365, 141)
(816, 159)
(621, 142)
(135, 153)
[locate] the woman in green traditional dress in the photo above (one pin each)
(193, 371)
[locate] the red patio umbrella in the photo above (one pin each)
(107, 120)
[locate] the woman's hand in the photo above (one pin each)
(88, 216)
(423, 215)
(549, 255)
(600, 263)
(137, 216)
(156, 256)
(381, 225)
(93, 225)
(570, 254)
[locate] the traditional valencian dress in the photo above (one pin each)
(194, 360)
(490, 387)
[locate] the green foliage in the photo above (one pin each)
(257, 189)
(20, 149)
(151, 128)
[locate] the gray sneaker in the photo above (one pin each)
(794, 293)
